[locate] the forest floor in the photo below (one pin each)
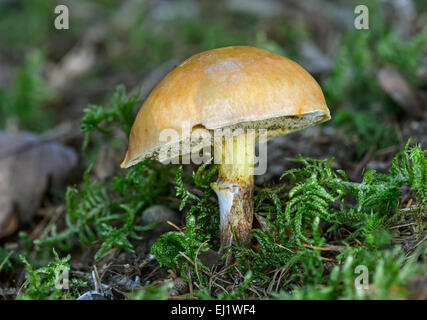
(68, 101)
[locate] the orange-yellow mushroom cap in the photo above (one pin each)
(237, 86)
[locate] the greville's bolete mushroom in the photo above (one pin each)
(231, 88)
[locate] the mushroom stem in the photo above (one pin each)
(234, 188)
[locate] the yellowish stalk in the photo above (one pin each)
(234, 187)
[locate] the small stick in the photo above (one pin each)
(174, 225)
(191, 261)
(403, 225)
(325, 247)
(283, 247)
(5, 259)
(329, 259)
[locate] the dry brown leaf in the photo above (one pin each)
(27, 168)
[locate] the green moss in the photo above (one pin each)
(289, 241)
(51, 282)
(24, 100)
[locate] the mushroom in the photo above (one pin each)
(237, 91)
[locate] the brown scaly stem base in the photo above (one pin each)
(236, 209)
